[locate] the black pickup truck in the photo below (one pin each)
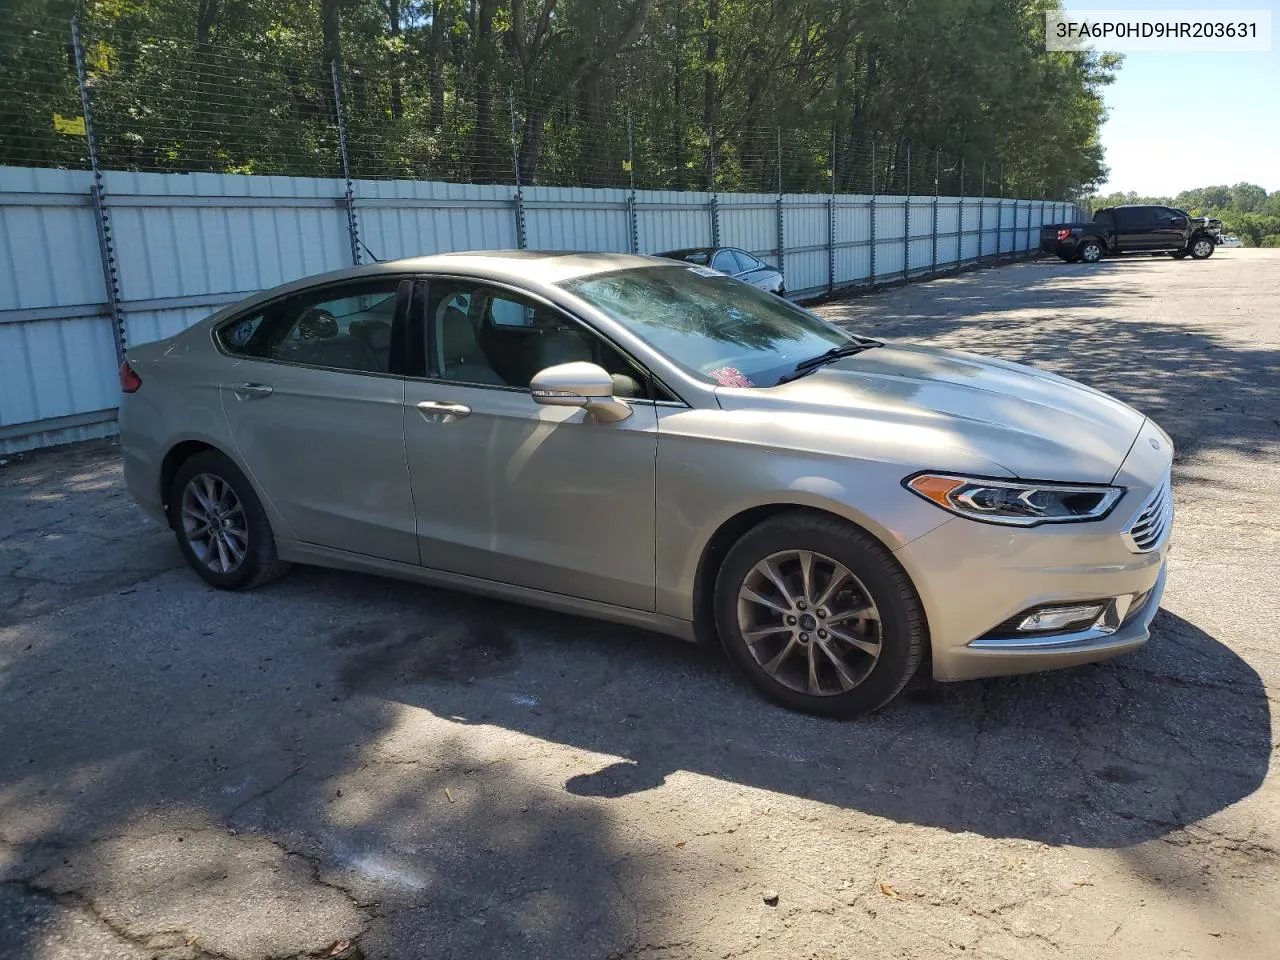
(1133, 229)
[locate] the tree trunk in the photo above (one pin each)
(397, 93)
(531, 140)
(484, 163)
(677, 102)
(435, 119)
(331, 49)
(709, 89)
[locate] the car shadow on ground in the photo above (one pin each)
(1107, 755)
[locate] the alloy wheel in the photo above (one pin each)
(1091, 253)
(213, 523)
(809, 622)
(1202, 248)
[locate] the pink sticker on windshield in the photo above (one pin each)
(730, 377)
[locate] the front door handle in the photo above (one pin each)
(442, 411)
(251, 391)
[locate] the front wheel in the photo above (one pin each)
(819, 616)
(220, 524)
(1202, 248)
(1090, 251)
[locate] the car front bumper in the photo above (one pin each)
(974, 577)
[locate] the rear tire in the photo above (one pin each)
(852, 627)
(1091, 251)
(1202, 248)
(221, 527)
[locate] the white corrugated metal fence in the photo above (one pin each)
(186, 244)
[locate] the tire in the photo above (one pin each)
(1090, 251)
(1202, 248)
(890, 638)
(782, 291)
(208, 488)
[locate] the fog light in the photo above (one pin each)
(1057, 618)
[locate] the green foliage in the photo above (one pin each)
(697, 93)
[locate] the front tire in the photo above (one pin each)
(221, 527)
(1202, 248)
(819, 616)
(1090, 251)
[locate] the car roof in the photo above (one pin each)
(536, 266)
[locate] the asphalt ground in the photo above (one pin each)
(342, 766)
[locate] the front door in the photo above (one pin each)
(315, 410)
(512, 491)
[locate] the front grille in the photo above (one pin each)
(1147, 530)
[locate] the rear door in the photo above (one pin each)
(1131, 229)
(313, 402)
(511, 491)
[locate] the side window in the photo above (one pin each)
(500, 339)
(725, 262)
(1127, 219)
(746, 261)
(244, 337)
(348, 328)
(343, 328)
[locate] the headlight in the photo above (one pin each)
(1015, 503)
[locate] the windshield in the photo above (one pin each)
(714, 327)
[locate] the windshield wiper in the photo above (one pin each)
(835, 353)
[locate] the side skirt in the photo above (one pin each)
(296, 552)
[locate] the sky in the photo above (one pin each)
(1183, 120)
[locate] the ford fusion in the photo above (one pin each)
(660, 445)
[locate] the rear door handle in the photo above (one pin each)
(251, 391)
(442, 411)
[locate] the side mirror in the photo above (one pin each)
(1179, 221)
(579, 384)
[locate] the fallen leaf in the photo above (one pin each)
(682, 843)
(191, 941)
(447, 795)
(888, 891)
(334, 949)
(1084, 883)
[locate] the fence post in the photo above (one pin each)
(518, 200)
(937, 175)
(714, 206)
(353, 225)
(982, 211)
(873, 212)
(632, 217)
(782, 245)
(102, 216)
(1000, 216)
(906, 224)
(831, 218)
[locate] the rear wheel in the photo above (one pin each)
(819, 616)
(1202, 248)
(220, 524)
(1090, 251)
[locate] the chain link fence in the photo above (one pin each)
(171, 104)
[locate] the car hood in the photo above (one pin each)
(1036, 425)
